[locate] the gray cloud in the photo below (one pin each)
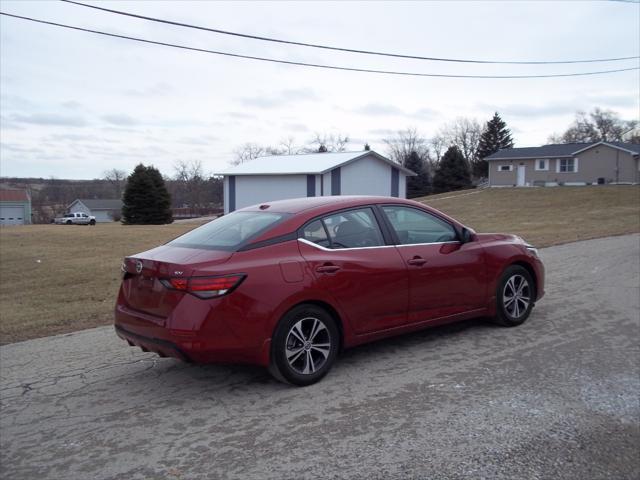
(71, 104)
(379, 109)
(156, 90)
(385, 109)
(50, 119)
(382, 131)
(279, 99)
(17, 148)
(296, 127)
(121, 119)
(241, 115)
(198, 140)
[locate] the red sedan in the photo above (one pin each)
(288, 284)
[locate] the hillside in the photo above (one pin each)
(546, 216)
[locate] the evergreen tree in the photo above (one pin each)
(367, 147)
(322, 148)
(420, 185)
(146, 199)
(452, 173)
(495, 136)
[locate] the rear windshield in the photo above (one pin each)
(228, 232)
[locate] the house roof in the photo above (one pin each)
(308, 163)
(557, 150)
(100, 203)
(13, 195)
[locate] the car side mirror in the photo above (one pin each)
(466, 235)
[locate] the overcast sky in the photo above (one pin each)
(74, 104)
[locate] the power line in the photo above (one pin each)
(341, 49)
(315, 65)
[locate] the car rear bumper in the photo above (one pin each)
(212, 345)
(163, 348)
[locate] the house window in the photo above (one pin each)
(505, 168)
(542, 164)
(568, 165)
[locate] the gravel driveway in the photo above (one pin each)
(557, 398)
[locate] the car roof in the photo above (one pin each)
(302, 210)
(328, 203)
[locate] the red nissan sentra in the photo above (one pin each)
(288, 284)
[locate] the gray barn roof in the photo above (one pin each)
(557, 150)
(100, 203)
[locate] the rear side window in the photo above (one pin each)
(415, 226)
(229, 232)
(353, 229)
(315, 232)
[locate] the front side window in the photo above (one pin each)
(352, 229)
(567, 165)
(414, 226)
(228, 232)
(505, 168)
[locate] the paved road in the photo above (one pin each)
(557, 398)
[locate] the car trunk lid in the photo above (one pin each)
(142, 286)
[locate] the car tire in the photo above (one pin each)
(305, 345)
(69, 222)
(92, 222)
(515, 297)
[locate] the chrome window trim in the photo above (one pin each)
(320, 247)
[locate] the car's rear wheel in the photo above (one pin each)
(69, 222)
(305, 345)
(515, 296)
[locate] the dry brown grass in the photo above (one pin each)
(59, 278)
(546, 216)
(74, 284)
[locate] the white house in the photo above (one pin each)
(103, 209)
(279, 177)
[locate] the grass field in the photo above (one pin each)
(57, 279)
(546, 216)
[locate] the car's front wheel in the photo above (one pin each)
(515, 296)
(305, 345)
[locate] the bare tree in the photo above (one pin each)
(116, 179)
(597, 126)
(247, 152)
(465, 134)
(288, 146)
(191, 183)
(438, 146)
(400, 146)
(328, 142)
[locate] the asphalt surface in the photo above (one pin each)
(557, 398)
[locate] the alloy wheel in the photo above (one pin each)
(308, 345)
(516, 296)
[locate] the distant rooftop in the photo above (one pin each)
(557, 150)
(13, 195)
(308, 163)
(100, 203)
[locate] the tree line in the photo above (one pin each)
(453, 158)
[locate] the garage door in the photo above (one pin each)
(11, 215)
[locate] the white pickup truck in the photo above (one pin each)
(76, 219)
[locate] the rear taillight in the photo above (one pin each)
(205, 287)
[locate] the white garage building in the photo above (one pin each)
(104, 209)
(311, 175)
(15, 207)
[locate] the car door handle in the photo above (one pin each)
(417, 261)
(327, 268)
